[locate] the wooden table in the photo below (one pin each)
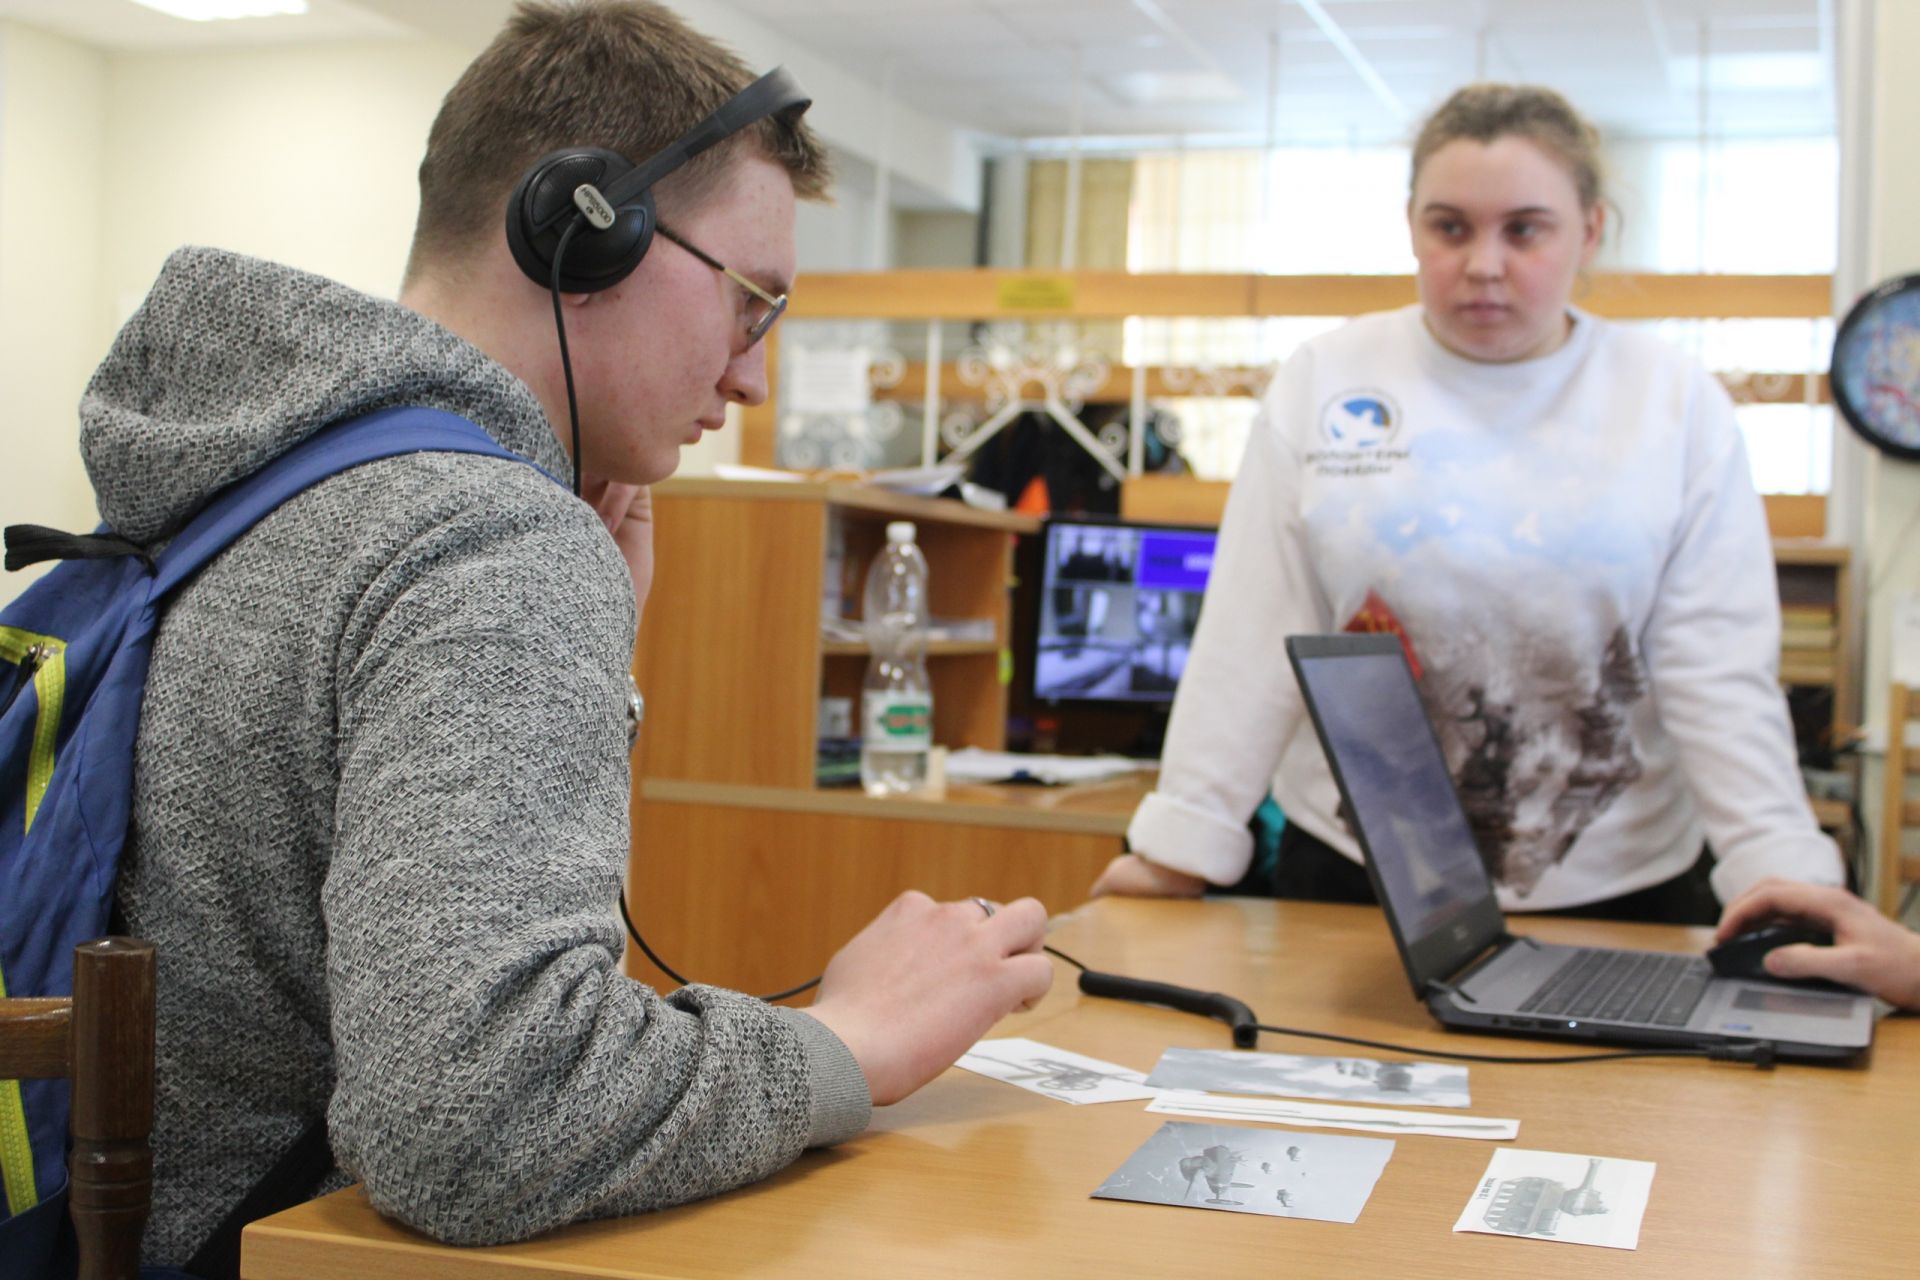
(755, 888)
(1796, 1172)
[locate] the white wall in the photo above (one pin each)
(1892, 544)
(110, 162)
(836, 236)
(852, 114)
(52, 147)
(932, 239)
(305, 155)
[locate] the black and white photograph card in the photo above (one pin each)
(1271, 1172)
(1288, 1075)
(1056, 1073)
(1550, 1195)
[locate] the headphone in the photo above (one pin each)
(583, 217)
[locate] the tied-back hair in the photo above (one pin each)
(1487, 112)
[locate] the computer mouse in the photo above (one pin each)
(1742, 956)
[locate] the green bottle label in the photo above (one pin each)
(899, 722)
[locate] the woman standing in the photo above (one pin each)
(1556, 516)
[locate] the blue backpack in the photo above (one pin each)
(73, 667)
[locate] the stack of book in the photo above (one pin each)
(1807, 639)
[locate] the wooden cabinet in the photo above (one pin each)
(731, 655)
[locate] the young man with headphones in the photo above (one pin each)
(380, 813)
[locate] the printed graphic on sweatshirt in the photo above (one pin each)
(1373, 617)
(1524, 578)
(1358, 434)
(1531, 783)
(1534, 763)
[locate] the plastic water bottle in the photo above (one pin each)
(896, 697)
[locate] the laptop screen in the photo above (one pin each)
(1400, 799)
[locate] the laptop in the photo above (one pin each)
(1470, 970)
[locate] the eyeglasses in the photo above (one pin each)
(763, 308)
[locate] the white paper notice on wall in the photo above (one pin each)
(825, 380)
(1905, 639)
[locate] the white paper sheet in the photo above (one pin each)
(1549, 1195)
(825, 380)
(922, 480)
(1323, 1115)
(739, 471)
(1055, 1073)
(971, 764)
(1292, 1075)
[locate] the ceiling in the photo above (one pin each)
(123, 25)
(1008, 66)
(1203, 71)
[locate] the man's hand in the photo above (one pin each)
(1132, 876)
(919, 985)
(627, 511)
(1869, 951)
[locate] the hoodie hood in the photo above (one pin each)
(231, 361)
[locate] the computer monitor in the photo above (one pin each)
(1118, 605)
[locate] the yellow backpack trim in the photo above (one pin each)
(16, 1153)
(50, 687)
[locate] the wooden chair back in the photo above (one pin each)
(1899, 812)
(102, 1041)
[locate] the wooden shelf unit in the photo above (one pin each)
(731, 656)
(991, 295)
(1816, 630)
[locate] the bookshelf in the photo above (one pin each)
(1815, 646)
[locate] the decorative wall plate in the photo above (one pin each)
(1876, 367)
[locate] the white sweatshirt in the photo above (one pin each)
(1572, 549)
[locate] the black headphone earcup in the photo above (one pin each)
(541, 208)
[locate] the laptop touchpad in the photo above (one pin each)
(1812, 1004)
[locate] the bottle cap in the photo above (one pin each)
(900, 531)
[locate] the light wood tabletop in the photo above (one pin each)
(1800, 1171)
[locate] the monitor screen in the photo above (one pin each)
(1119, 603)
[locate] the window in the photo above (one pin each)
(1759, 206)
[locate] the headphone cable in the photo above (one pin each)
(573, 423)
(634, 933)
(1189, 1000)
(560, 328)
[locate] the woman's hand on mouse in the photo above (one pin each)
(1869, 951)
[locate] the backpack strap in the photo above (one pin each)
(31, 543)
(384, 433)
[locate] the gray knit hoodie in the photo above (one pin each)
(381, 801)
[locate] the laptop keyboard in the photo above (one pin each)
(1623, 986)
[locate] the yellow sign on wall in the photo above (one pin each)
(1036, 293)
